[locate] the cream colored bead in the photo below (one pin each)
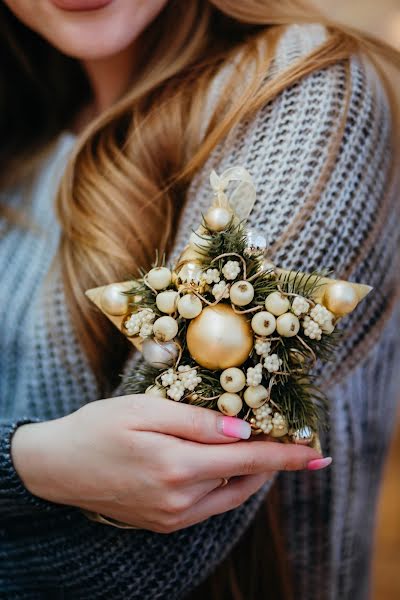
(159, 278)
(230, 404)
(287, 325)
(165, 329)
(189, 306)
(328, 328)
(241, 293)
(255, 395)
(166, 301)
(218, 219)
(232, 380)
(156, 390)
(277, 304)
(263, 323)
(113, 301)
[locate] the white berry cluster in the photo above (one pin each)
(254, 375)
(300, 306)
(279, 422)
(188, 376)
(211, 276)
(311, 328)
(231, 269)
(262, 418)
(321, 315)
(218, 290)
(262, 347)
(140, 323)
(177, 382)
(272, 363)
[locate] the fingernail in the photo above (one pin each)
(319, 463)
(233, 427)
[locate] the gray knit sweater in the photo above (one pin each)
(349, 223)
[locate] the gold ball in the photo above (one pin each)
(219, 338)
(113, 301)
(340, 297)
(218, 218)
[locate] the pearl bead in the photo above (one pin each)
(159, 355)
(287, 325)
(219, 338)
(340, 297)
(232, 380)
(165, 329)
(241, 293)
(218, 219)
(230, 404)
(166, 301)
(277, 304)
(263, 323)
(189, 306)
(255, 396)
(113, 301)
(159, 278)
(156, 390)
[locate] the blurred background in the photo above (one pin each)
(382, 18)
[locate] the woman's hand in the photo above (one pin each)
(148, 461)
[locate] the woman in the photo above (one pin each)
(113, 114)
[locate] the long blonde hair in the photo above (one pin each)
(123, 190)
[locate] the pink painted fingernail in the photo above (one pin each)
(233, 427)
(319, 463)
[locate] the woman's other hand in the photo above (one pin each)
(150, 462)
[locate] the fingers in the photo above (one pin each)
(243, 458)
(193, 423)
(221, 500)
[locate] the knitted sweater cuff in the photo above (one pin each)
(15, 498)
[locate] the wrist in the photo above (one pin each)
(34, 452)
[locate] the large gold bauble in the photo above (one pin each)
(219, 338)
(340, 297)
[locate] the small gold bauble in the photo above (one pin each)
(219, 338)
(303, 436)
(340, 297)
(218, 218)
(113, 301)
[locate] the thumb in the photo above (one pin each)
(189, 422)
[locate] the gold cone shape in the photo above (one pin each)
(360, 289)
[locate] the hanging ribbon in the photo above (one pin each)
(243, 196)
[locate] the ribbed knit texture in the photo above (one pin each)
(349, 223)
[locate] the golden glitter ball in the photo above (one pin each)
(219, 338)
(340, 297)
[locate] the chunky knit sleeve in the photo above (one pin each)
(15, 498)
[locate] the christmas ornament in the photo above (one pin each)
(230, 404)
(113, 299)
(159, 355)
(219, 338)
(232, 380)
(227, 329)
(189, 306)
